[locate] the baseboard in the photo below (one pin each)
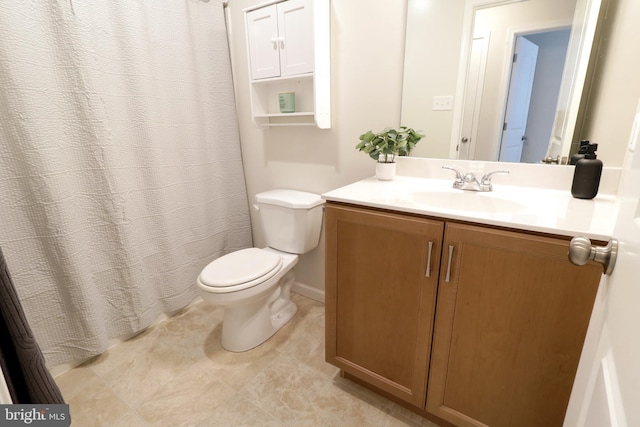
(308, 291)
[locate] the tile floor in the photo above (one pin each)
(177, 374)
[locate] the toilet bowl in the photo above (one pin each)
(253, 285)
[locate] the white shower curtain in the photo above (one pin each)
(120, 166)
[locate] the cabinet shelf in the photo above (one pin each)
(307, 118)
(272, 80)
(296, 114)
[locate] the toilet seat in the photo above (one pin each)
(239, 270)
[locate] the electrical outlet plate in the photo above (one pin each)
(442, 103)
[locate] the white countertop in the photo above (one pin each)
(543, 210)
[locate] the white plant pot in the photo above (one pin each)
(385, 171)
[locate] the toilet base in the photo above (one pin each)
(247, 326)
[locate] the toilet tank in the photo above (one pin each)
(291, 220)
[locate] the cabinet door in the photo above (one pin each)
(380, 298)
(262, 35)
(295, 28)
(510, 325)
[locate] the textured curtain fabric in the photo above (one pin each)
(120, 166)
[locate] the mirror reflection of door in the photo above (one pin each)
(523, 72)
(473, 96)
(533, 96)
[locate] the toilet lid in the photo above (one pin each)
(239, 267)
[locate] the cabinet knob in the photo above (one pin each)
(274, 41)
(581, 251)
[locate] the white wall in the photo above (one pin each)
(434, 35)
(616, 86)
(367, 53)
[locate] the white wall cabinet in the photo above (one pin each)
(288, 44)
(280, 39)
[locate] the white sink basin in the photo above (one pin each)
(467, 201)
(546, 210)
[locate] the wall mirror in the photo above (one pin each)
(497, 80)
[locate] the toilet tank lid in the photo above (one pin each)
(290, 198)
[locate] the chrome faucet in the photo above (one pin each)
(468, 181)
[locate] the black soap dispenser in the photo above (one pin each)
(584, 145)
(586, 177)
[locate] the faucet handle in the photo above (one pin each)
(460, 173)
(460, 176)
(486, 178)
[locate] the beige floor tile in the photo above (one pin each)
(309, 309)
(240, 413)
(91, 401)
(336, 405)
(363, 393)
(234, 369)
(177, 374)
(285, 388)
(130, 419)
(307, 346)
(144, 367)
(77, 382)
(187, 400)
(400, 415)
(404, 413)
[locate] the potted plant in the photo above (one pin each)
(385, 145)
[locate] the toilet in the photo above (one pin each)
(253, 285)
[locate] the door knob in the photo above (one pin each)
(581, 251)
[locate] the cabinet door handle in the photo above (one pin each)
(274, 40)
(428, 272)
(281, 43)
(448, 276)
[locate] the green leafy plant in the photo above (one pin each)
(385, 145)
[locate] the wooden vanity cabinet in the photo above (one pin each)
(508, 327)
(380, 299)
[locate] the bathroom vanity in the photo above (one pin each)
(462, 305)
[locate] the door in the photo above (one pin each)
(295, 27)
(473, 97)
(515, 121)
(607, 387)
(381, 281)
(262, 34)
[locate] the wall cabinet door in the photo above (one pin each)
(295, 28)
(262, 35)
(280, 38)
(510, 326)
(381, 280)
